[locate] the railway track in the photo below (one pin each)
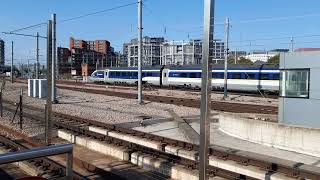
(195, 103)
(269, 164)
(46, 167)
(78, 126)
(215, 105)
(126, 86)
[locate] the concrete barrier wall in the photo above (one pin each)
(286, 137)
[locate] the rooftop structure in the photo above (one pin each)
(306, 49)
(261, 56)
(181, 52)
(151, 53)
(157, 51)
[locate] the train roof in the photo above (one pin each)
(136, 68)
(199, 67)
(230, 67)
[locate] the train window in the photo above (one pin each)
(236, 76)
(100, 74)
(123, 74)
(193, 75)
(216, 75)
(294, 83)
(250, 76)
(118, 74)
(106, 74)
(264, 76)
(149, 74)
(174, 74)
(135, 75)
(165, 74)
(275, 76)
(112, 74)
(184, 75)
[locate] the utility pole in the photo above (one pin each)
(21, 68)
(140, 100)
(292, 44)
(28, 69)
(225, 94)
(48, 124)
(37, 58)
(235, 56)
(11, 62)
(119, 59)
(54, 59)
(205, 106)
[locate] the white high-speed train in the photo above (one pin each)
(240, 77)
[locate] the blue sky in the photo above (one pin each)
(250, 19)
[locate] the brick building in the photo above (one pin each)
(96, 53)
(63, 56)
(101, 46)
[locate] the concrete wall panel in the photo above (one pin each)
(292, 138)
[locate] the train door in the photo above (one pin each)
(106, 75)
(160, 75)
(165, 77)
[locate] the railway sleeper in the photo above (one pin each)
(173, 142)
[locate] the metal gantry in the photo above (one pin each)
(37, 57)
(11, 62)
(54, 59)
(206, 89)
(292, 42)
(225, 89)
(140, 98)
(48, 123)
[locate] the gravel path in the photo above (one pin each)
(187, 94)
(108, 109)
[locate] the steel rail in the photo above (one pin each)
(267, 163)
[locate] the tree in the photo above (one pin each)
(242, 60)
(274, 60)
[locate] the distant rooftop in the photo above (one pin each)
(306, 49)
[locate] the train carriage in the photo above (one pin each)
(127, 75)
(240, 77)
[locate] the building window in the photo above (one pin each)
(294, 83)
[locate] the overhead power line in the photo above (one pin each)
(97, 12)
(19, 34)
(263, 19)
(29, 27)
(74, 18)
(277, 38)
(279, 18)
